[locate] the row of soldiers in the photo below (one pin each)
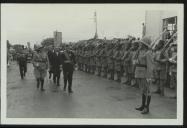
(115, 60)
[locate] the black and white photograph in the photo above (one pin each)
(119, 64)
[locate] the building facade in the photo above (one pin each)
(157, 21)
(57, 38)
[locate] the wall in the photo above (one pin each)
(154, 23)
(57, 38)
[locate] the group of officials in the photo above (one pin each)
(135, 61)
(54, 60)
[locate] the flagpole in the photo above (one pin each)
(95, 19)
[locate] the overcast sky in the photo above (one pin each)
(34, 22)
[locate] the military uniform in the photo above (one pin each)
(134, 53)
(110, 63)
(92, 60)
(98, 61)
(173, 67)
(22, 61)
(40, 68)
(104, 62)
(160, 71)
(117, 63)
(144, 74)
(68, 62)
(126, 58)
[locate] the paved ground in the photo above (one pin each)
(93, 97)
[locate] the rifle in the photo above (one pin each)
(154, 43)
(167, 44)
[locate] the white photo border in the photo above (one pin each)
(85, 121)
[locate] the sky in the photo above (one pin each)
(34, 22)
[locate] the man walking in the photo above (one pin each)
(56, 66)
(50, 60)
(22, 62)
(68, 62)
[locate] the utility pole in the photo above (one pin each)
(95, 20)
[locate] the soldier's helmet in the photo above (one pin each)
(136, 42)
(146, 41)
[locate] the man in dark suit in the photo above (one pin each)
(68, 62)
(56, 65)
(50, 60)
(22, 62)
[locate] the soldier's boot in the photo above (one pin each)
(118, 77)
(79, 67)
(112, 75)
(65, 84)
(85, 68)
(99, 72)
(38, 83)
(49, 75)
(162, 91)
(93, 70)
(162, 87)
(143, 103)
(158, 91)
(24, 73)
(105, 74)
(42, 84)
(70, 86)
(21, 73)
(146, 109)
(54, 78)
(58, 81)
(89, 69)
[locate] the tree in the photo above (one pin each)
(47, 42)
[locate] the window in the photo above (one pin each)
(170, 24)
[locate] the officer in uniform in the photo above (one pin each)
(144, 73)
(22, 62)
(40, 67)
(68, 62)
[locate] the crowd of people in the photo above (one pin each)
(133, 62)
